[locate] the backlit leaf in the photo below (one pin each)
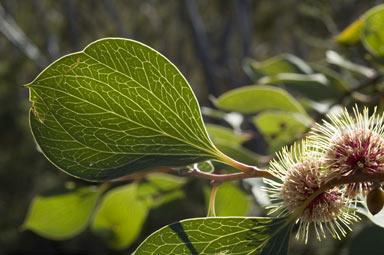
(351, 34)
(220, 235)
(252, 99)
(120, 216)
(62, 216)
(115, 108)
(285, 63)
(372, 33)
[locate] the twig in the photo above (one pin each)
(219, 178)
(356, 178)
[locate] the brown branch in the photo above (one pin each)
(218, 178)
(356, 178)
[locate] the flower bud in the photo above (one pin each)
(375, 200)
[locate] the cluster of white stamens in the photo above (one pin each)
(345, 146)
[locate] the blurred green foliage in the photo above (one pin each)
(234, 35)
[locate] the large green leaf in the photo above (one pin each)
(115, 108)
(62, 216)
(219, 235)
(372, 33)
(252, 99)
(120, 216)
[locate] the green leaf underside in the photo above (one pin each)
(61, 216)
(115, 108)
(252, 99)
(372, 33)
(219, 235)
(120, 216)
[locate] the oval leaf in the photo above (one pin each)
(120, 216)
(115, 108)
(280, 128)
(220, 235)
(252, 99)
(372, 33)
(62, 216)
(284, 63)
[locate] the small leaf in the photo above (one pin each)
(166, 182)
(279, 128)
(159, 189)
(232, 118)
(351, 34)
(116, 108)
(285, 63)
(336, 59)
(372, 33)
(253, 99)
(220, 235)
(230, 200)
(120, 217)
(62, 216)
(205, 166)
(220, 133)
(158, 182)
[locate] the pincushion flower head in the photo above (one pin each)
(298, 193)
(351, 144)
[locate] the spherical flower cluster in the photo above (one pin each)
(301, 173)
(351, 145)
(347, 146)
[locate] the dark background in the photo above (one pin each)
(207, 40)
